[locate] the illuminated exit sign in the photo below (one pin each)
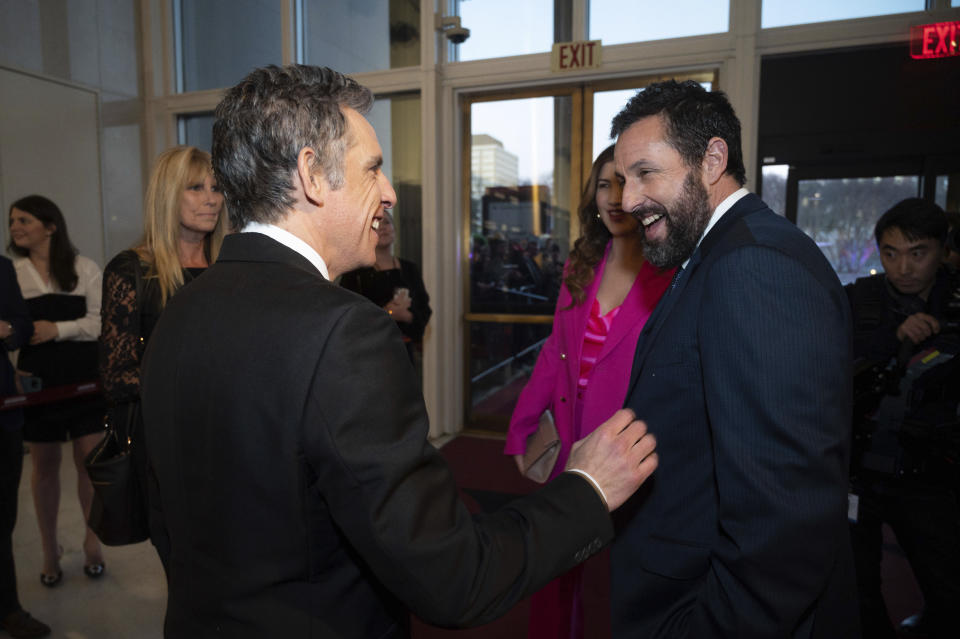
(569, 56)
(940, 40)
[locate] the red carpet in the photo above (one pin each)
(487, 479)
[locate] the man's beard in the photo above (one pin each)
(685, 218)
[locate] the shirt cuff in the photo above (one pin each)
(67, 330)
(593, 481)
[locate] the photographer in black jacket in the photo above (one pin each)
(904, 464)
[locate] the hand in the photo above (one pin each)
(399, 309)
(6, 329)
(918, 327)
(44, 331)
(618, 455)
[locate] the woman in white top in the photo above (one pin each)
(62, 291)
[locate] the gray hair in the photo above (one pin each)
(264, 122)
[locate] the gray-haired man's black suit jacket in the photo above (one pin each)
(287, 436)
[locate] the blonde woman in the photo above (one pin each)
(184, 226)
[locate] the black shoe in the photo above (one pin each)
(21, 625)
(95, 571)
(51, 580)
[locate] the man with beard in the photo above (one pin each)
(743, 373)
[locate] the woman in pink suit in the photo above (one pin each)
(581, 375)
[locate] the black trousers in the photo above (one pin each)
(926, 521)
(11, 465)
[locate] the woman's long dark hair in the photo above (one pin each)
(63, 254)
(594, 236)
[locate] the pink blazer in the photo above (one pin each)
(553, 384)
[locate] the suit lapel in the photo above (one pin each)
(648, 336)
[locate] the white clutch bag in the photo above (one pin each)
(543, 447)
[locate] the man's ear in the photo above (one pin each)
(714, 161)
(311, 181)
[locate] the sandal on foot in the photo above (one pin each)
(94, 571)
(51, 580)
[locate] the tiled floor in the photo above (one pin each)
(127, 602)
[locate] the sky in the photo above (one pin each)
(525, 126)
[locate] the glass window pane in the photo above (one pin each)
(501, 357)
(221, 41)
(947, 191)
(501, 28)
(840, 215)
(196, 130)
(782, 13)
(606, 105)
(519, 203)
(396, 119)
(620, 21)
(361, 35)
(773, 187)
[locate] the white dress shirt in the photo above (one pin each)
(89, 286)
(291, 241)
(721, 209)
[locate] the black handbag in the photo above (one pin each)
(118, 514)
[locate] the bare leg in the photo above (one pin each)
(46, 500)
(81, 448)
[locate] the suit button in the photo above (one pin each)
(563, 399)
(563, 356)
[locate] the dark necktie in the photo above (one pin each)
(676, 277)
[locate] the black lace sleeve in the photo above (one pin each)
(120, 343)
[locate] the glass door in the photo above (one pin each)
(522, 160)
(838, 206)
(526, 157)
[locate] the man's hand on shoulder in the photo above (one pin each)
(918, 327)
(619, 456)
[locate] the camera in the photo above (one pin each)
(906, 420)
(457, 35)
(451, 27)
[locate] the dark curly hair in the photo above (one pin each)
(63, 254)
(594, 236)
(691, 115)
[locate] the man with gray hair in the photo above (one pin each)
(284, 425)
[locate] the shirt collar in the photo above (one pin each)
(291, 241)
(722, 208)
